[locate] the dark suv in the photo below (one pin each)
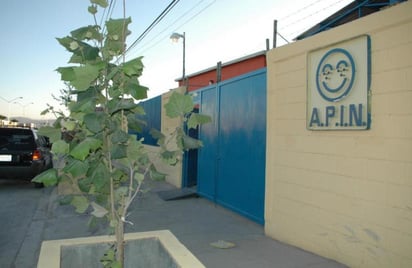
(23, 153)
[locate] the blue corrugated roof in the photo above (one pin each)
(353, 11)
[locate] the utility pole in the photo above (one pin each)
(275, 32)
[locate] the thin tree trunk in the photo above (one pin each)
(120, 242)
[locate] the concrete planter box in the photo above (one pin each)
(146, 249)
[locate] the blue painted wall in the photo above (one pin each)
(152, 118)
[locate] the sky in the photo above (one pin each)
(216, 30)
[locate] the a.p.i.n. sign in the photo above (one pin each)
(338, 78)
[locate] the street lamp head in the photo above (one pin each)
(176, 36)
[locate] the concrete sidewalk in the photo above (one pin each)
(196, 222)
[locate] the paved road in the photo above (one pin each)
(19, 202)
(30, 216)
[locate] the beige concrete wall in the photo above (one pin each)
(346, 195)
(173, 173)
(168, 125)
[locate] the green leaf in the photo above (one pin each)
(170, 157)
(109, 259)
(101, 3)
(191, 143)
(87, 33)
(112, 70)
(92, 9)
(115, 92)
(121, 192)
(116, 105)
(82, 52)
(116, 264)
(118, 151)
(136, 90)
(138, 110)
(85, 184)
(119, 136)
(196, 119)
(133, 67)
(116, 27)
(76, 168)
(66, 42)
(156, 175)
(65, 199)
(92, 94)
(80, 203)
(69, 125)
(100, 178)
(139, 177)
(67, 73)
(116, 35)
(82, 105)
(95, 121)
(178, 105)
(135, 123)
(48, 177)
(82, 150)
(98, 211)
(54, 134)
(94, 144)
(85, 54)
(157, 135)
(45, 111)
(80, 77)
(60, 147)
(85, 76)
(121, 164)
(135, 149)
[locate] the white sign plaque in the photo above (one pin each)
(338, 78)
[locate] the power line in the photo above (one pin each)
(107, 13)
(174, 22)
(153, 24)
(300, 10)
(310, 15)
(171, 24)
(197, 14)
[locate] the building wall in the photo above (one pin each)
(152, 118)
(228, 71)
(346, 195)
(168, 125)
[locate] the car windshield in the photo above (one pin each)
(16, 139)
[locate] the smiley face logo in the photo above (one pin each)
(335, 75)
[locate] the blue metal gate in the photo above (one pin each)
(231, 165)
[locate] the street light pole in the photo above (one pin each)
(8, 105)
(24, 106)
(175, 37)
(184, 57)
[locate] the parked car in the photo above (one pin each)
(23, 154)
